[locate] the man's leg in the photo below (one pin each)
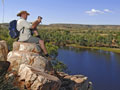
(42, 45)
(40, 42)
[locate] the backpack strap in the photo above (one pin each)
(22, 30)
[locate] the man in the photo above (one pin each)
(25, 34)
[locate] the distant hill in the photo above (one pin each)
(85, 26)
(82, 26)
(4, 25)
(75, 26)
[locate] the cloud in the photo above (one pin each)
(93, 12)
(107, 10)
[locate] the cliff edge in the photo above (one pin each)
(31, 71)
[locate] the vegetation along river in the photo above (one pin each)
(101, 67)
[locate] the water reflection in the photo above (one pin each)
(102, 67)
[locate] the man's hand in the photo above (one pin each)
(36, 23)
(39, 19)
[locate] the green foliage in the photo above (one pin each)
(59, 66)
(53, 51)
(4, 35)
(118, 39)
(100, 36)
(83, 35)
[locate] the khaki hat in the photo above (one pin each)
(21, 12)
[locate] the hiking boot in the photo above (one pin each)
(48, 57)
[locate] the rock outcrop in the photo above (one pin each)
(3, 51)
(28, 47)
(16, 58)
(34, 79)
(74, 82)
(31, 68)
(33, 72)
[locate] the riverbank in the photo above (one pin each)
(116, 50)
(93, 64)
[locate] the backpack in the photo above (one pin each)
(13, 32)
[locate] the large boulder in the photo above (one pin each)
(30, 47)
(33, 79)
(16, 58)
(3, 51)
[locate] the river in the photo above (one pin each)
(101, 67)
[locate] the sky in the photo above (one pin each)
(98, 12)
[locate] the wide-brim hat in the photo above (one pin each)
(21, 12)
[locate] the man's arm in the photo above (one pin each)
(35, 24)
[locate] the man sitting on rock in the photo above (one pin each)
(25, 31)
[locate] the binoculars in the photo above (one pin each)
(40, 17)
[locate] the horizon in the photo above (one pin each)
(67, 12)
(74, 24)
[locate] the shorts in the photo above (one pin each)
(33, 39)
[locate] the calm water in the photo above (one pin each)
(101, 67)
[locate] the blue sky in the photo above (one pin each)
(65, 11)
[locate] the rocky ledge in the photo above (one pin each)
(31, 71)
